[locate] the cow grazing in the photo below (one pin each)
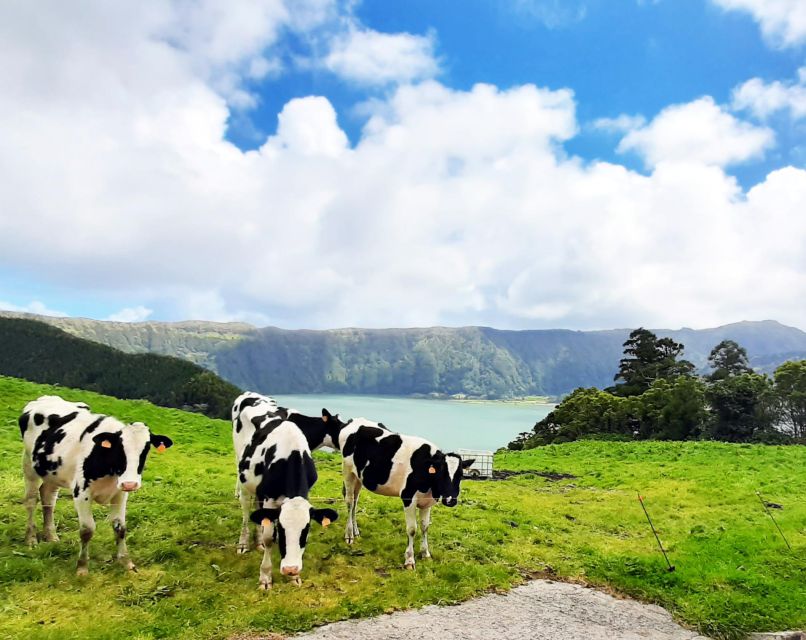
(96, 457)
(276, 470)
(392, 464)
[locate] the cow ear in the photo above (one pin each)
(467, 463)
(325, 415)
(103, 439)
(161, 442)
(324, 516)
(261, 515)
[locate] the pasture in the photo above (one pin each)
(734, 573)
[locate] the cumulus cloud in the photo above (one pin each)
(764, 99)
(453, 206)
(131, 314)
(620, 124)
(35, 306)
(783, 22)
(369, 57)
(700, 132)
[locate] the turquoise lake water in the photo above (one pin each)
(449, 424)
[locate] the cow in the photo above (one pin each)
(97, 457)
(392, 464)
(276, 471)
(319, 432)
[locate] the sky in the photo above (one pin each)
(579, 164)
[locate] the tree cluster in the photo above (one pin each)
(657, 395)
(41, 353)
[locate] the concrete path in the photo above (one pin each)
(539, 610)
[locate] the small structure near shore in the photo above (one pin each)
(482, 466)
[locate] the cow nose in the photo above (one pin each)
(130, 486)
(290, 571)
(450, 502)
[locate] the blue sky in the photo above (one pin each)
(322, 163)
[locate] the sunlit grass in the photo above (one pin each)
(733, 571)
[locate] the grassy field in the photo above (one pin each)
(734, 573)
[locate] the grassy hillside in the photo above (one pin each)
(471, 360)
(39, 352)
(733, 572)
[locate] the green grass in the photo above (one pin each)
(734, 573)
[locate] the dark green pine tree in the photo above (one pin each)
(728, 359)
(648, 358)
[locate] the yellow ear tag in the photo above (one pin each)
(161, 448)
(265, 522)
(432, 470)
(106, 444)
(326, 522)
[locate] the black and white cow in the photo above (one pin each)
(97, 457)
(319, 431)
(391, 464)
(276, 473)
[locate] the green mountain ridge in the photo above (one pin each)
(477, 361)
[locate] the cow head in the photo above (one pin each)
(293, 521)
(333, 426)
(123, 453)
(446, 470)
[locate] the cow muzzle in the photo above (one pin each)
(449, 501)
(129, 486)
(290, 571)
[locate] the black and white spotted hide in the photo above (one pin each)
(97, 457)
(392, 464)
(276, 473)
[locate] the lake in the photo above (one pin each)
(449, 424)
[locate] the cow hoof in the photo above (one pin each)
(128, 565)
(409, 565)
(425, 555)
(296, 581)
(82, 571)
(51, 537)
(242, 549)
(31, 540)
(349, 540)
(264, 586)
(260, 547)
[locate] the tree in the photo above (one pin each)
(743, 408)
(672, 409)
(648, 358)
(790, 392)
(728, 359)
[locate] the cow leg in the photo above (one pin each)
(352, 486)
(117, 515)
(410, 509)
(257, 536)
(48, 494)
(31, 496)
(247, 500)
(86, 527)
(425, 522)
(267, 536)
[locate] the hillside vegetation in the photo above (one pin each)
(734, 573)
(477, 361)
(42, 353)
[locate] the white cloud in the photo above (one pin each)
(620, 124)
(35, 306)
(131, 314)
(700, 132)
(369, 57)
(553, 14)
(763, 99)
(453, 207)
(783, 22)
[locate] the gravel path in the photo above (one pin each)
(536, 611)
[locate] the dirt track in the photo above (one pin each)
(539, 610)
